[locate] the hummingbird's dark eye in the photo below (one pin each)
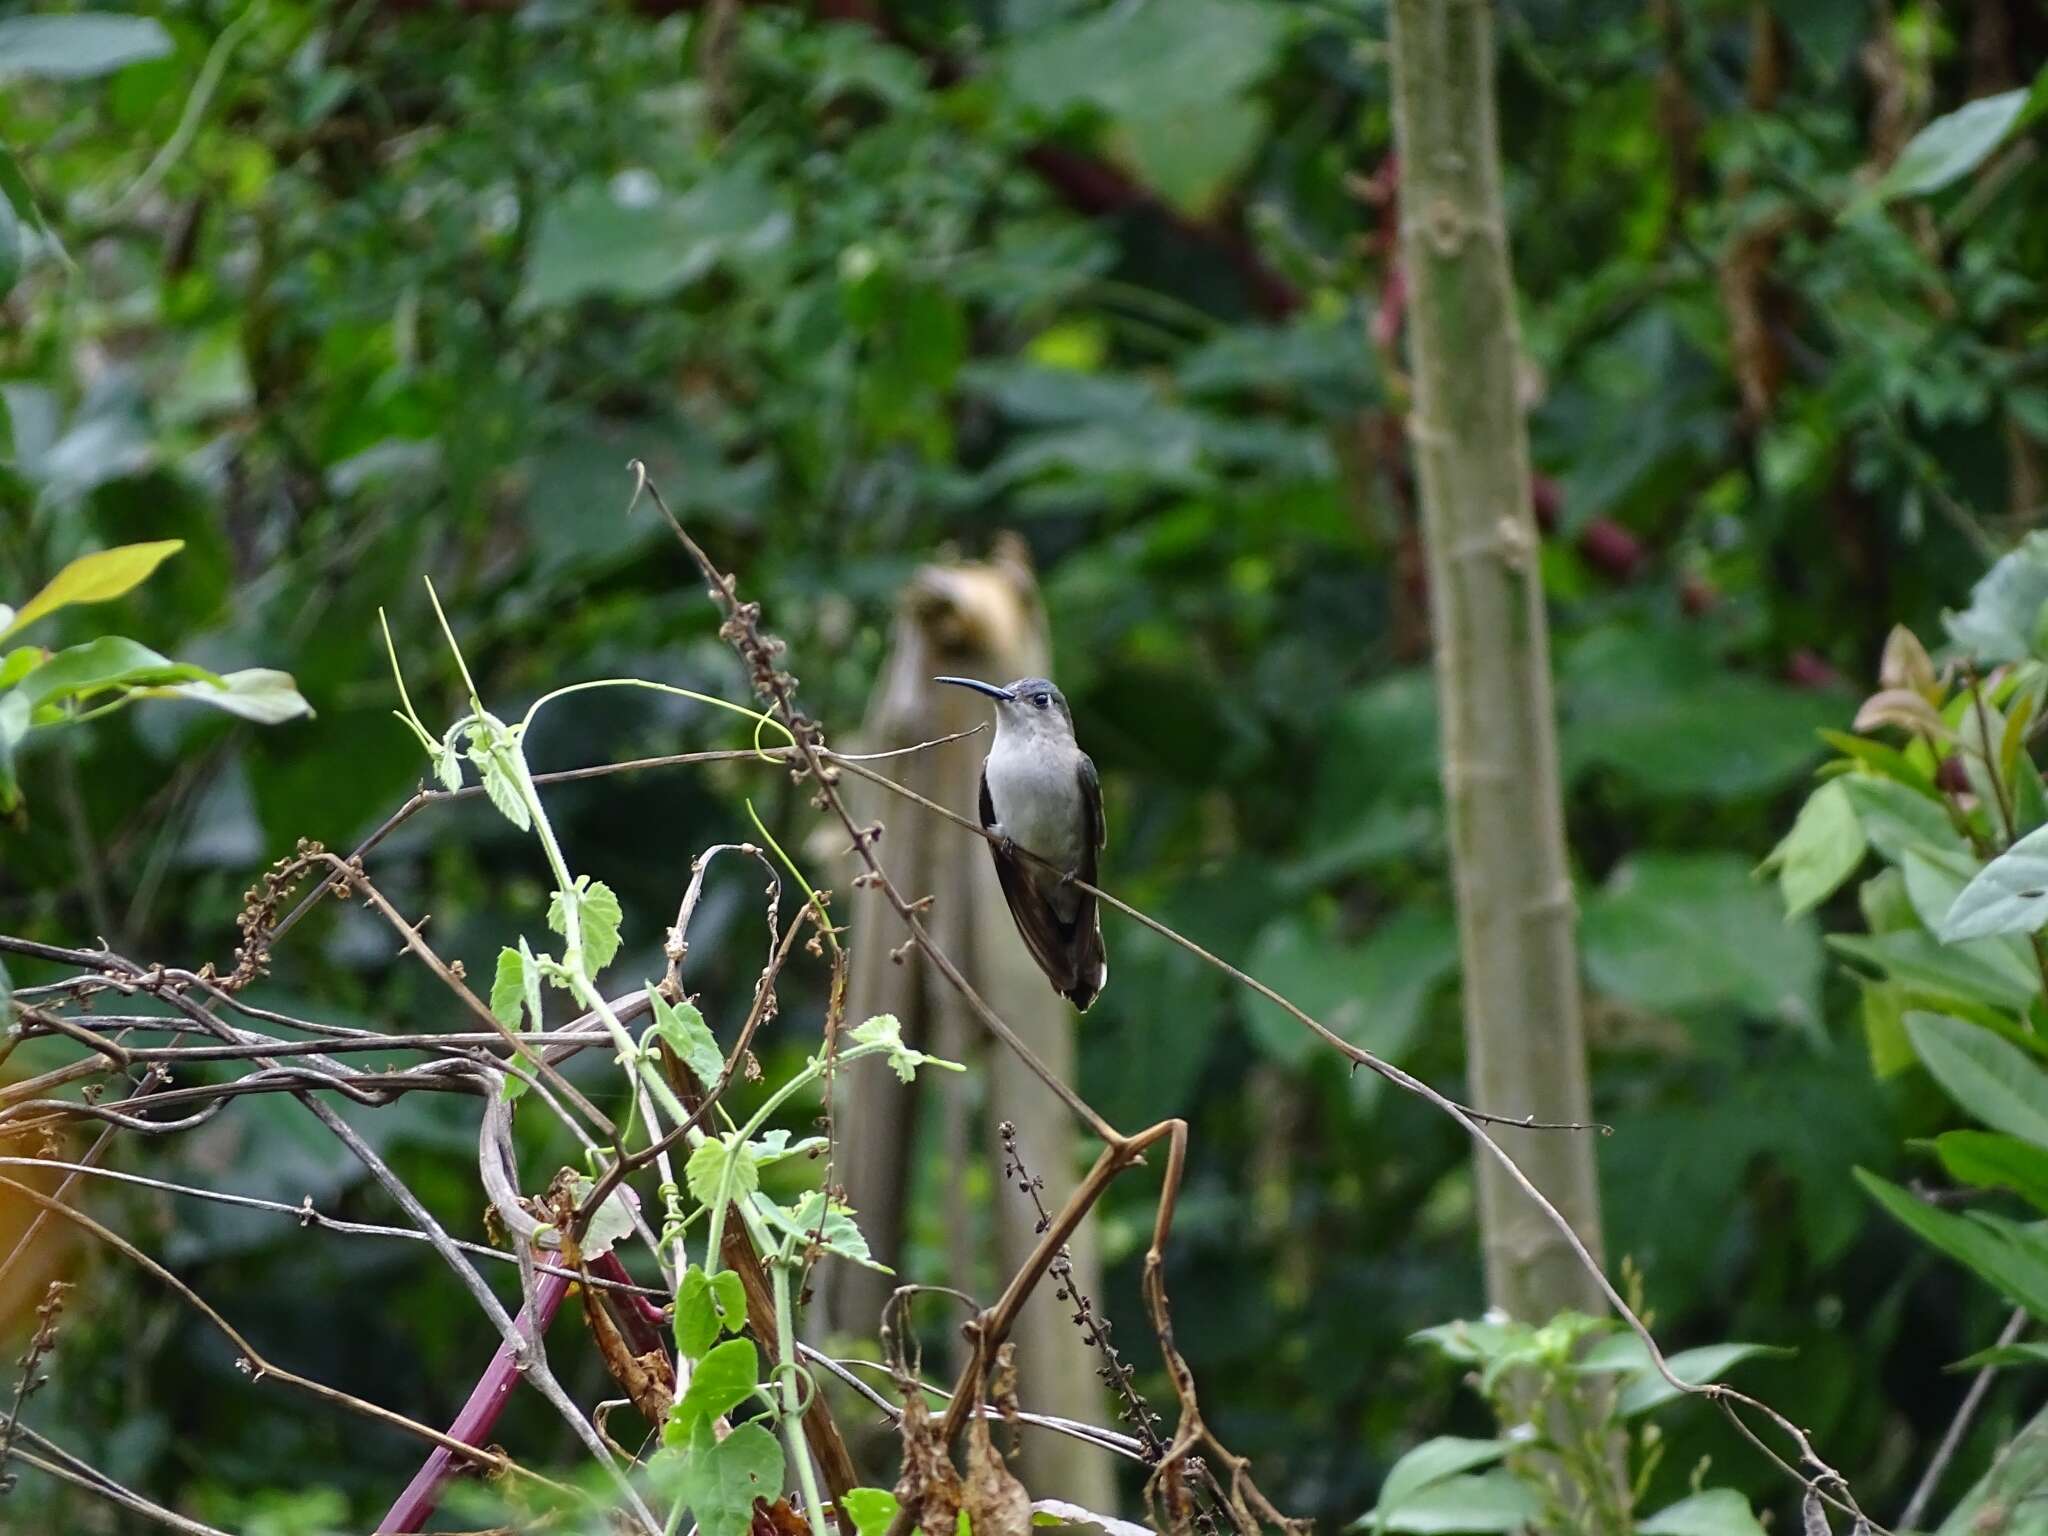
(1042, 700)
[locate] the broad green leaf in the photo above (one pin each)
(508, 990)
(1472, 1505)
(1951, 146)
(1716, 1512)
(80, 46)
(2005, 1255)
(706, 1306)
(1896, 817)
(260, 694)
(598, 916)
(683, 1027)
(1679, 932)
(1992, 1079)
(1988, 1160)
(708, 1166)
(2009, 895)
(870, 1509)
(95, 578)
(721, 1381)
(79, 671)
(1966, 973)
(1821, 851)
(718, 1480)
(1430, 1463)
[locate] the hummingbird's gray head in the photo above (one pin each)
(1030, 708)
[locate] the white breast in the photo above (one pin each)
(1037, 800)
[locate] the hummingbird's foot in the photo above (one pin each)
(1067, 878)
(1006, 846)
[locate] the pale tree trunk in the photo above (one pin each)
(1515, 914)
(980, 620)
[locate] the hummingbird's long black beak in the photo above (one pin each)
(980, 687)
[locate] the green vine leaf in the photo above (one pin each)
(706, 1171)
(683, 1027)
(718, 1480)
(723, 1379)
(706, 1306)
(598, 917)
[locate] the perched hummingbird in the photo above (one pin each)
(1039, 792)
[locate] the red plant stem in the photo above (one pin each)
(479, 1415)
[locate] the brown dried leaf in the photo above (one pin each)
(1906, 664)
(930, 1483)
(997, 1504)
(648, 1380)
(778, 1519)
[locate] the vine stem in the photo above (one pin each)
(792, 1394)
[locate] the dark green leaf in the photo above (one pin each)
(722, 1380)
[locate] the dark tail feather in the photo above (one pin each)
(1091, 962)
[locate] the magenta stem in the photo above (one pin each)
(478, 1417)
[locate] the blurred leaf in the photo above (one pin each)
(14, 713)
(1715, 1512)
(1951, 146)
(718, 1480)
(1480, 1503)
(1428, 1464)
(1895, 817)
(1371, 993)
(1660, 712)
(2034, 1353)
(642, 246)
(80, 46)
(871, 1508)
(1646, 1387)
(1192, 153)
(2004, 614)
(1147, 57)
(2011, 1258)
(260, 694)
(1820, 852)
(1992, 1079)
(2009, 895)
(1676, 932)
(95, 578)
(1974, 973)
(80, 671)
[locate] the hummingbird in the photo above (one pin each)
(1039, 793)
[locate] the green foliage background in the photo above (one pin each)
(344, 295)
